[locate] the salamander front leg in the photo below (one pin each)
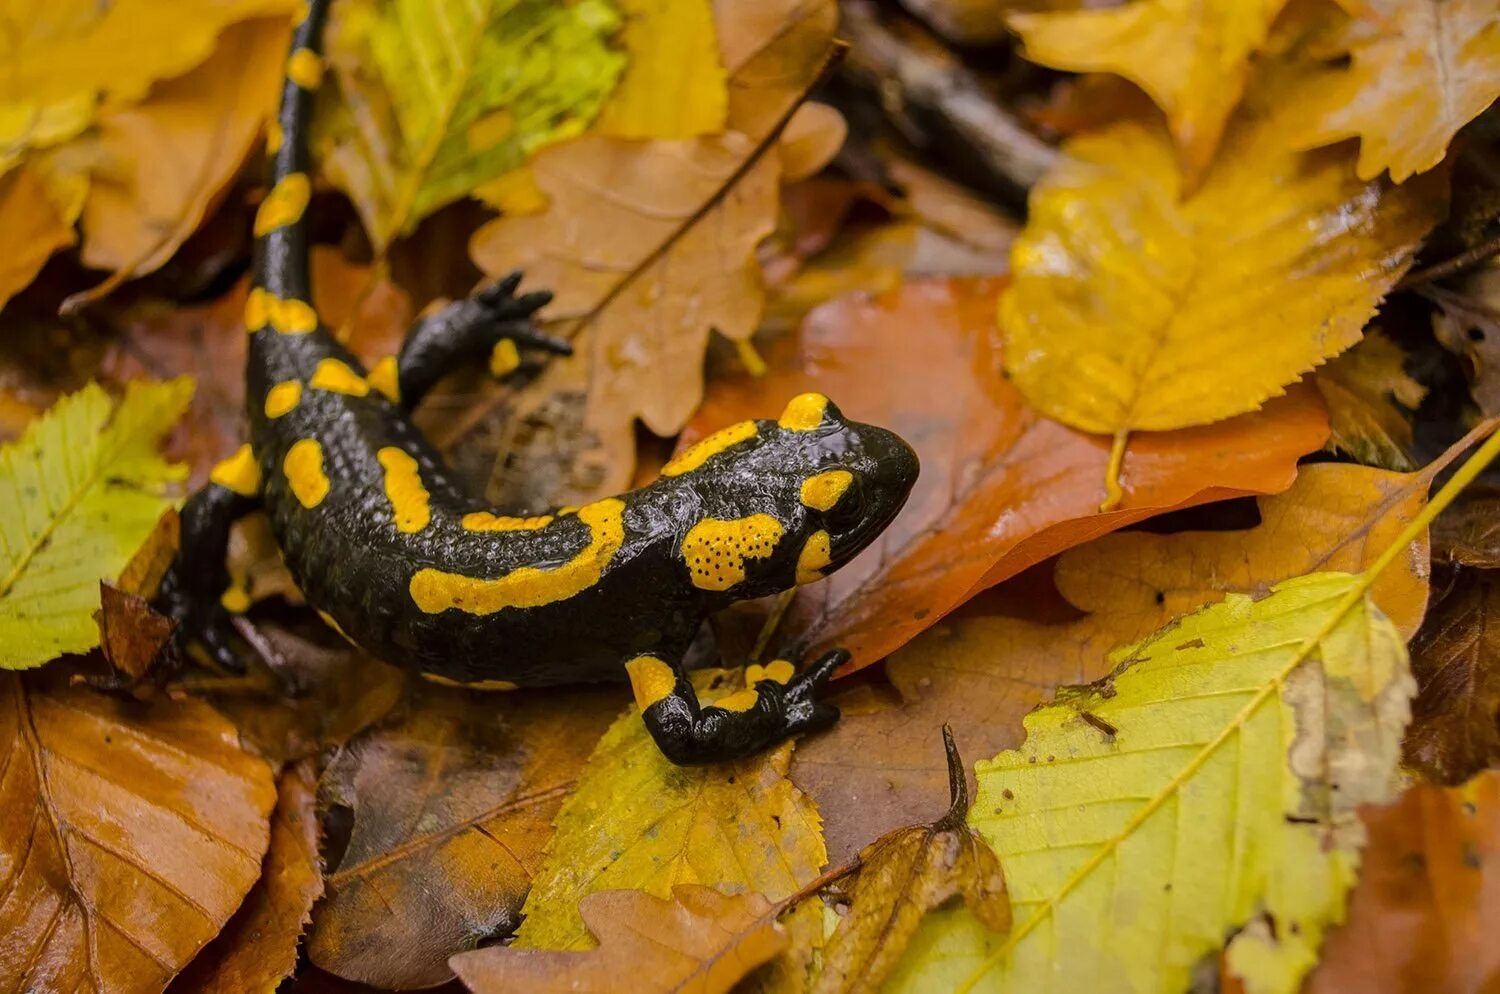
(778, 702)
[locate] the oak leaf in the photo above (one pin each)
(1363, 388)
(673, 85)
(699, 942)
(129, 836)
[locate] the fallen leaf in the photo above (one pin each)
(1192, 58)
(1363, 388)
(700, 942)
(1409, 74)
(673, 85)
(1001, 487)
(451, 808)
(1455, 730)
(1421, 918)
(130, 835)
(89, 487)
(131, 632)
(1467, 323)
(1468, 533)
(258, 947)
(36, 228)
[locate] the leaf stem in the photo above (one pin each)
(1112, 492)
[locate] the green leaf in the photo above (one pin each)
(82, 489)
(438, 96)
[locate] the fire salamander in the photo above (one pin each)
(406, 565)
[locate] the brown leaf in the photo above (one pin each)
(1455, 726)
(1468, 324)
(1363, 388)
(1469, 531)
(128, 837)
(452, 807)
(700, 942)
(871, 773)
(1001, 487)
(131, 633)
(35, 228)
(258, 948)
(1423, 915)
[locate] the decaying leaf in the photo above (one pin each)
(1001, 487)
(699, 942)
(1422, 917)
(1214, 789)
(905, 874)
(1468, 533)
(129, 836)
(89, 486)
(1362, 389)
(1455, 729)
(258, 948)
(452, 807)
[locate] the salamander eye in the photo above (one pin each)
(850, 509)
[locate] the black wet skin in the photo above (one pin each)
(351, 561)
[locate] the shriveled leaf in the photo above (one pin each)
(1001, 487)
(129, 836)
(673, 85)
(435, 98)
(1363, 388)
(699, 942)
(35, 225)
(258, 948)
(451, 807)
(1193, 58)
(88, 486)
(1411, 73)
(1455, 729)
(1422, 917)
(1220, 799)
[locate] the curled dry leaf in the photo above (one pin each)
(1001, 487)
(699, 942)
(1362, 389)
(131, 632)
(128, 836)
(1455, 729)
(258, 948)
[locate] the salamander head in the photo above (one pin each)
(778, 503)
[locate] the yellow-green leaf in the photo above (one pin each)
(438, 96)
(674, 85)
(84, 487)
(1208, 787)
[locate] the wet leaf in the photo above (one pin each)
(1001, 487)
(1363, 388)
(258, 947)
(129, 836)
(700, 942)
(89, 486)
(452, 807)
(1455, 729)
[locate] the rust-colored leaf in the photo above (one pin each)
(131, 633)
(1001, 487)
(1455, 726)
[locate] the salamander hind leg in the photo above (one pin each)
(778, 702)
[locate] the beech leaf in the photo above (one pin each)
(1455, 729)
(1363, 388)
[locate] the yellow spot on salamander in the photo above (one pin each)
(716, 551)
(303, 467)
(777, 671)
(336, 376)
(435, 590)
(240, 473)
(305, 68)
(444, 681)
(804, 412)
(235, 599)
(814, 558)
(329, 620)
(288, 317)
(701, 451)
(740, 700)
(386, 377)
(274, 137)
(284, 205)
(505, 359)
(651, 680)
(257, 309)
(403, 488)
(823, 491)
(484, 521)
(283, 397)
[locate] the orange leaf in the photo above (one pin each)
(34, 229)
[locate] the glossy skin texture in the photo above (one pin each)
(410, 567)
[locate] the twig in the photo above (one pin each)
(1451, 267)
(814, 885)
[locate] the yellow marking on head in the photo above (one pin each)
(386, 377)
(328, 620)
(257, 309)
(777, 671)
(284, 205)
(505, 359)
(335, 375)
(823, 491)
(304, 10)
(435, 590)
(715, 551)
(305, 69)
(303, 467)
(651, 680)
(274, 137)
(444, 681)
(740, 700)
(567, 509)
(701, 451)
(235, 599)
(240, 473)
(804, 412)
(283, 397)
(815, 556)
(403, 488)
(291, 317)
(484, 521)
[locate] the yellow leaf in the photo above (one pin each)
(436, 98)
(1191, 56)
(1362, 388)
(34, 229)
(88, 486)
(674, 86)
(1417, 71)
